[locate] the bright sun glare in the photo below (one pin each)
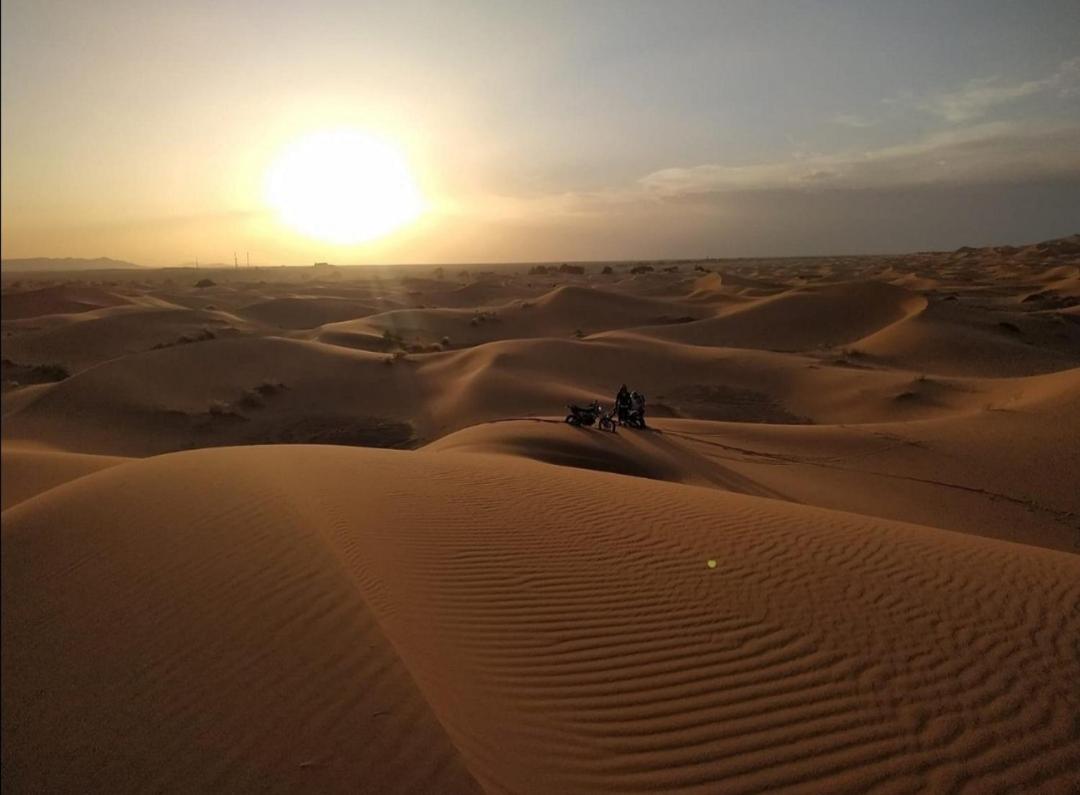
(343, 186)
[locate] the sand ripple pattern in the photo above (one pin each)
(531, 629)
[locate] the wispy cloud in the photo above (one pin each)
(855, 120)
(976, 98)
(979, 153)
(992, 152)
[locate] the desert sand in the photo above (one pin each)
(324, 529)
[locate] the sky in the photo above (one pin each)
(544, 131)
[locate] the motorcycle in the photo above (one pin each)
(607, 421)
(583, 415)
(635, 419)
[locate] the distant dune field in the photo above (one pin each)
(843, 558)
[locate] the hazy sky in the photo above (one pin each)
(544, 130)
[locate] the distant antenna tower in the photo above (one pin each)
(235, 263)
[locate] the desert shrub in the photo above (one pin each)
(672, 269)
(52, 372)
(218, 408)
(642, 269)
(185, 339)
(392, 339)
(267, 388)
(579, 334)
(538, 270)
(251, 399)
(18, 374)
(205, 283)
(607, 270)
(445, 341)
(575, 269)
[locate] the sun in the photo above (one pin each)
(343, 186)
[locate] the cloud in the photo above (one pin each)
(1001, 153)
(978, 97)
(853, 120)
(996, 151)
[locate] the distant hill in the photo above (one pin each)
(1061, 249)
(48, 264)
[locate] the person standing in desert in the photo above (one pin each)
(622, 404)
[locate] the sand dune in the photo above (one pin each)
(436, 622)
(567, 311)
(60, 299)
(27, 472)
(957, 472)
(947, 339)
(206, 394)
(649, 455)
(97, 337)
(878, 454)
(801, 319)
(303, 313)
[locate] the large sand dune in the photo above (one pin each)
(878, 456)
(954, 340)
(26, 472)
(54, 300)
(319, 617)
(803, 319)
(567, 311)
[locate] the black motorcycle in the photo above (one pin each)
(583, 415)
(635, 419)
